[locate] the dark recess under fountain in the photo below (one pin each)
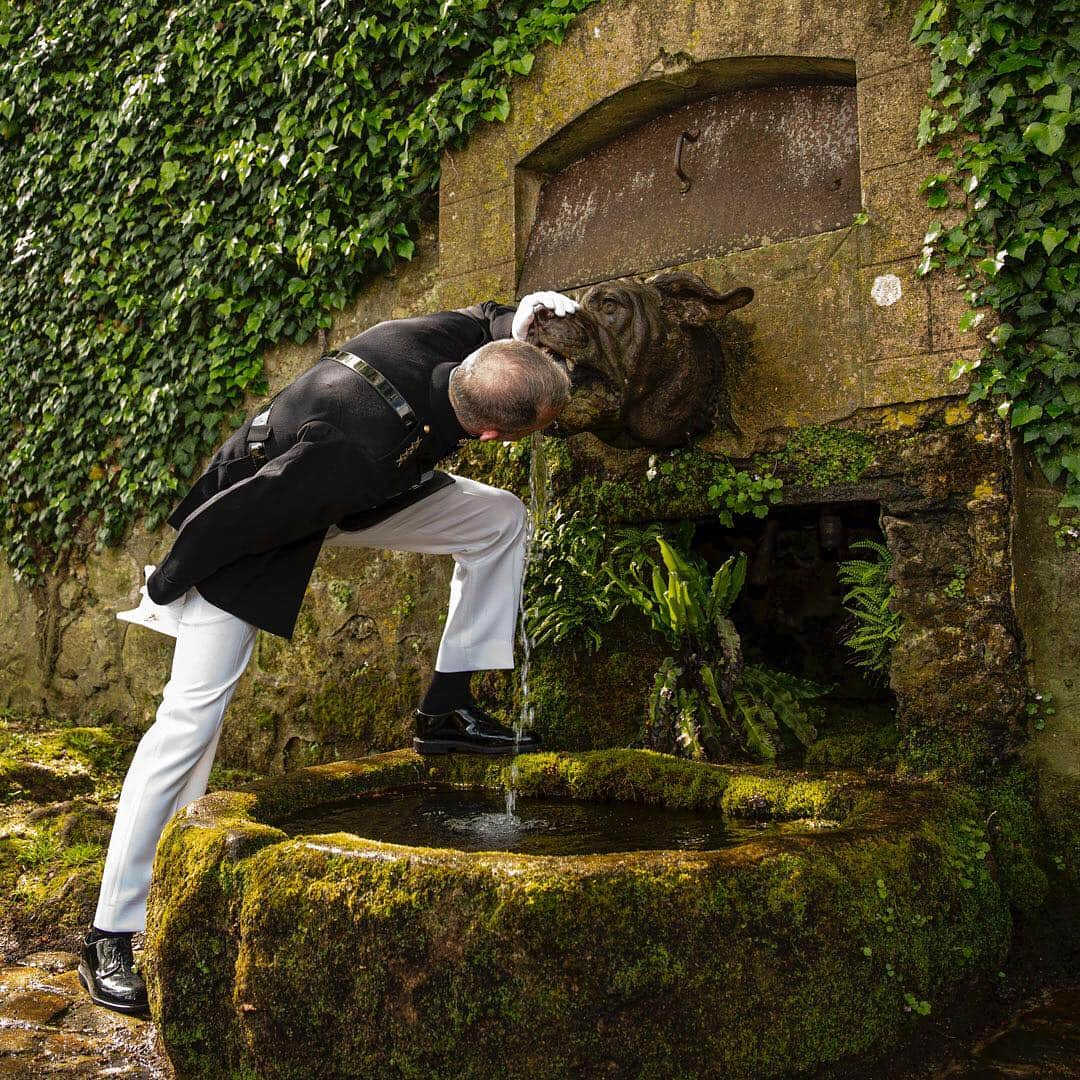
(790, 612)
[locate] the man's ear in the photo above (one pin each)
(694, 300)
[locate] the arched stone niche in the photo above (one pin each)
(752, 152)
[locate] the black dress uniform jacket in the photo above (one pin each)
(338, 453)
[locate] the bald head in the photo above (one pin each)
(508, 387)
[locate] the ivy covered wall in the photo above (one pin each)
(182, 186)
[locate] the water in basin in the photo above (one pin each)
(477, 821)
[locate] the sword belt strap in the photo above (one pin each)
(259, 431)
(383, 386)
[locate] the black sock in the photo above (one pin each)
(448, 690)
(95, 934)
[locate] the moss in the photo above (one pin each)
(875, 748)
(50, 868)
(46, 761)
(621, 775)
(503, 465)
(584, 700)
(821, 455)
(1059, 803)
(370, 708)
(196, 870)
(679, 483)
(778, 797)
(1017, 837)
(355, 958)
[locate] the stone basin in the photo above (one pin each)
(334, 955)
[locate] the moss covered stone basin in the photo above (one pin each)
(332, 955)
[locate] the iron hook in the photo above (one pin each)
(685, 136)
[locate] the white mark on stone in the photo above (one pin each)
(886, 290)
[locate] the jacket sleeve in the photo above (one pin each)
(495, 319)
(318, 480)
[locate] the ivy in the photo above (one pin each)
(1005, 86)
(183, 186)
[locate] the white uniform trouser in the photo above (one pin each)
(483, 528)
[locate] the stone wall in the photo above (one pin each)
(841, 332)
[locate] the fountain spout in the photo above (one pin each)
(647, 364)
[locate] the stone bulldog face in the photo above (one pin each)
(646, 367)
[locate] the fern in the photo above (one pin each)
(706, 698)
(874, 627)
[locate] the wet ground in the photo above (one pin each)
(1041, 1042)
(49, 1027)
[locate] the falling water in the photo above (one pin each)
(539, 482)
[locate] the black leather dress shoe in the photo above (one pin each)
(470, 730)
(107, 970)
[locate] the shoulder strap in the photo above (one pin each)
(259, 432)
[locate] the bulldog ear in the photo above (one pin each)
(696, 301)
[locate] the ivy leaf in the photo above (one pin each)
(1061, 101)
(1046, 137)
(1051, 237)
(1022, 413)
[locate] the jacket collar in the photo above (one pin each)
(447, 425)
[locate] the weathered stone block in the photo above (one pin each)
(476, 232)
(889, 107)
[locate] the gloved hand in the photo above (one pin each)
(523, 317)
(165, 618)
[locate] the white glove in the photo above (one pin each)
(523, 317)
(165, 618)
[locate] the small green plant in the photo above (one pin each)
(1066, 532)
(874, 626)
(916, 1005)
(566, 581)
(970, 852)
(1038, 707)
(404, 607)
(43, 847)
(341, 591)
(570, 571)
(958, 584)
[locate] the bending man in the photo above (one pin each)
(343, 455)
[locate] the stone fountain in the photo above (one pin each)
(329, 954)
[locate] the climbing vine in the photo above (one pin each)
(182, 186)
(1005, 87)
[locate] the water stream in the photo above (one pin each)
(539, 488)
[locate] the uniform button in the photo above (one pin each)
(427, 429)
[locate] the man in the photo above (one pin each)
(343, 455)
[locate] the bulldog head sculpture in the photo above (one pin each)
(647, 367)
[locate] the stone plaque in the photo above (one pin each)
(738, 170)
